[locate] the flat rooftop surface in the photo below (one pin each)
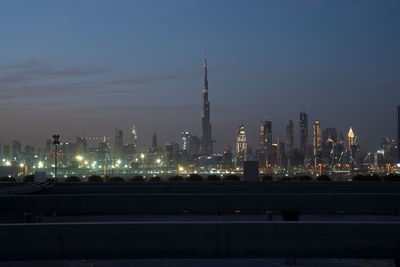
(215, 218)
(204, 263)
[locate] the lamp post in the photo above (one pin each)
(56, 143)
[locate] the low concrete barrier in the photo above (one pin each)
(200, 203)
(199, 240)
(204, 188)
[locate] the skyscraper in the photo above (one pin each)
(16, 150)
(154, 143)
(289, 139)
(206, 139)
(190, 144)
(227, 158)
(265, 140)
(265, 134)
(241, 141)
(316, 142)
(398, 133)
(134, 138)
(303, 135)
(350, 138)
(118, 144)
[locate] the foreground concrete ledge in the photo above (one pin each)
(193, 188)
(59, 241)
(200, 203)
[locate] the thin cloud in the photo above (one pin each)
(31, 79)
(20, 65)
(154, 78)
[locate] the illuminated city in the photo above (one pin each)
(327, 152)
(200, 133)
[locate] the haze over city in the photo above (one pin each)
(87, 67)
(199, 133)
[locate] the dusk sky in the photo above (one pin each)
(86, 67)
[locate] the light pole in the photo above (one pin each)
(56, 142)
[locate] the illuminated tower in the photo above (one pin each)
(316, 141)
(303, 134)
(350, 138)
(241, 141)
(206, 139)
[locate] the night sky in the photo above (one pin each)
(86, 67)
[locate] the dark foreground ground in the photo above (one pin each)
(202, 263)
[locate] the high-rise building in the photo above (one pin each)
(186, 136)
(265, 140)
(227, 157)
(134, 138)
(280, 152)
(206, 138)
(398, 133)
(289, 144)
(329, 135)
(16, 150)
(350, 138)
(316, 141)
(81, 146)
(118, 144)
(29, 155)
(330, 148)
(154, 143)
(304, 135)
(49, 146)
(190, 144)
(241, 141)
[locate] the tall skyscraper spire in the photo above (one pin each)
(398, 133)
(206, 139)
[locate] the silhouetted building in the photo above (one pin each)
(329, 147)
(289, 142)
(118, 144)
(154, 144)
(280, 152)
(265, 142)
(304, 135)
(171, 154)
(49, 146)
(398, 133)
(206, 138)
(81, 146)
(16, 150)
(29, 155)
(190, 145)
(227, 159)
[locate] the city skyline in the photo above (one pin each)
(59, 74)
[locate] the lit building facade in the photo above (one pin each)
(316, 142)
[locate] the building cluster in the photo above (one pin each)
(323, 149)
